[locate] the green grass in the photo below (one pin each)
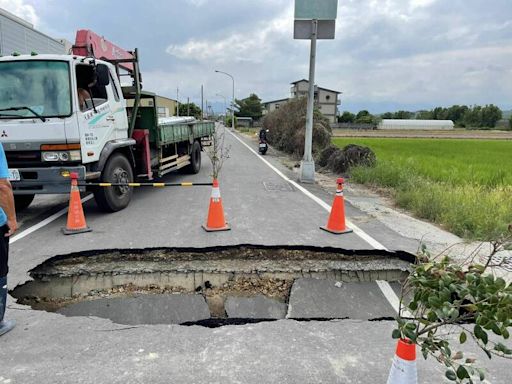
(463, 185)
(251, 131)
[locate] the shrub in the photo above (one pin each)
(287, 127)
(326, 153)
(352, 155)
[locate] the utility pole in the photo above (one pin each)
(202, 105)
(313, 20)
(307, 165)
(233, 100)
(177, 102)
(188, 106)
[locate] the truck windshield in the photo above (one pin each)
(42, 86)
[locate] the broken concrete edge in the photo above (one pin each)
(401, 255)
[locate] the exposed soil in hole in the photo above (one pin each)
(215, 296)
(188, 286)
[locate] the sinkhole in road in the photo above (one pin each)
(217, 285)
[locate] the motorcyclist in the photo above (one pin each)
(263, 135)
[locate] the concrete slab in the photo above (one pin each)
(144, 309)
(47, 348)
(330, 299)
(258, 307)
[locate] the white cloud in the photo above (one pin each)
(251, 45)
(421, 3)
(21, 9)
(196, 3)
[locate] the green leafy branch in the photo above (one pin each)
(446, 298)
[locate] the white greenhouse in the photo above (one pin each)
(415, 124)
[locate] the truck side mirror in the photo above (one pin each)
(102, 75)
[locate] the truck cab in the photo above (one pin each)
(68, 113)
(58, 113)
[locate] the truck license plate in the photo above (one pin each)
(14, 175)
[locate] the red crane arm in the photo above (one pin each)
(88, 43)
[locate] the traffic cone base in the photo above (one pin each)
(216, 221)
(348, 230)
(67, 231)
(224, 228)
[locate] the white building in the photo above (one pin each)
(326, 100)
(271, 106)
(415, 124)
(17, 35)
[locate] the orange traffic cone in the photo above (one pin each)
(336, 223)
(76, 219)
(216, 220)
(403, 368)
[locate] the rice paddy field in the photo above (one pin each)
(463, 185)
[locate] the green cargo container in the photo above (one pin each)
(174, 133)
(173, 144)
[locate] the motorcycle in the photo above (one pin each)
(263, 147)
(263, 143)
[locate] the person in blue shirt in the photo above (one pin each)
(8, 226)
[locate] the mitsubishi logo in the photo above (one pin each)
(4, 134)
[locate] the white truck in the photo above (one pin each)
(69, 113)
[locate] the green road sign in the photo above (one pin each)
(316, 9)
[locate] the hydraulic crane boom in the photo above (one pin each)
(88, 43)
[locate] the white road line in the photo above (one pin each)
(358, 231)
(391, 297)
(384, 286)
(46, 221)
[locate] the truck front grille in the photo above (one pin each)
(25, 159)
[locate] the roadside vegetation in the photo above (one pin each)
(287, 127)
(463, 116)
(463, 185)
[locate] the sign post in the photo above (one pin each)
(313, 20)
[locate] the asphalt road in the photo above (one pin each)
(262, 208)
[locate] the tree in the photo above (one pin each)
(446, 298)
(228, 120)
(249, 107)
(403, 115)
(364, 117)
(425, 115)
(491, 114)
(346, 117)
(456, 113)
(190, 109)
(473, 117)
(510, 123)
(387, 115)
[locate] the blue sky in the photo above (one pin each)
(387, 55)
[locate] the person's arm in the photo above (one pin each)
(7, 204)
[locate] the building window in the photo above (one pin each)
(161, 111)
(277, 106)
(327, 97)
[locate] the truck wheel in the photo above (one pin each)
(22, 202)
(195, 159)
(117, 170)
